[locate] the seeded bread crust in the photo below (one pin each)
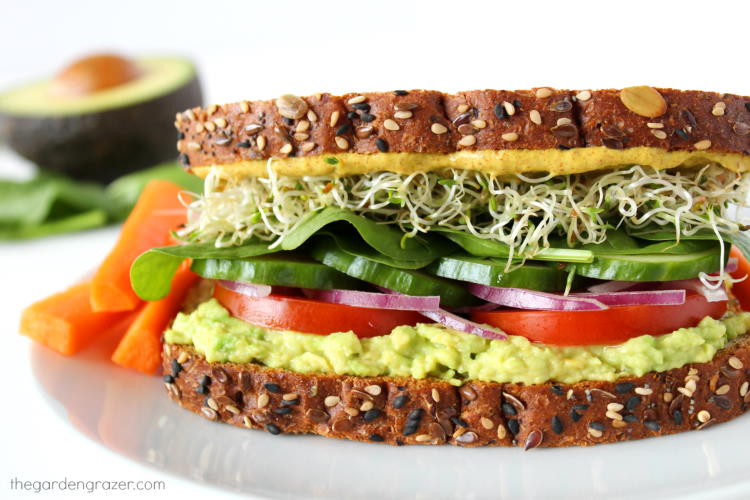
(422, 121)
(400, 411)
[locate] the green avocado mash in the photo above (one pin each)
(429, 350)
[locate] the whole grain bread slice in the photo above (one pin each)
(400, 411)
(431, 122)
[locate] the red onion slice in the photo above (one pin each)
(376, 300)
(695, 284)
(651, 298)
(612, 286)
(464, 325)
(247, 289)
(520, 298)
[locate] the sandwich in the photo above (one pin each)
(534, 268)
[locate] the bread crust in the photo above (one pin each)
(535, 119)
(400, 411)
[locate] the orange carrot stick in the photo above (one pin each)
(140, 348)
(157, 212)
(65, 321)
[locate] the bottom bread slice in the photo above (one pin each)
(402, 411)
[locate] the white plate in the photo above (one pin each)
(131, 415)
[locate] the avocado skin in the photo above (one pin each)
(103, 145)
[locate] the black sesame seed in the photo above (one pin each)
(180, 136)
(291, 402)
(633, 403)
(362, 106)
(273, 429)
(205, 380)
(176, 368)
(434, 119)
(400, 401)
(557, 425)
(580, 407)
(517, 104)
(652, 425)
(513, 426)
(596, 426)
(272, 388)
(371, 415)
(509, 409)
(400, 387)
(352, 115)
(169, 379)
(410, 428)
(557, 390)
(500, 111)
(243, 144)
(630, 418)
(399, 442)
(366, 117)
(575, 416)
(624, 387)
(563, 147)
(185, 160)
(721, 402)
(747, 106)
(284, 410)
(288, 121)
(415, 414)
(401, 92)
(382, 145)
(201, 389)
(343, 129)
(459, 422)
(377, 438)
(677, 417)
(683, 135)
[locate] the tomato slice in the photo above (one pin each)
(312, 316)
(741, 290)
(610, 326)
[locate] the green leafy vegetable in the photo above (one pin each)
(353, 245)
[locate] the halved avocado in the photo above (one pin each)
(101, 132)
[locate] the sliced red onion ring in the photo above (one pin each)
(464, 325)
(732, 264)
(695, 284)
(487, 306)
(521, 298)
(376, 300)
(612, 286)
(651, 298)
(248, 289)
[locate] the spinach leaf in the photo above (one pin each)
(620, 243)
(76, 222)
(353, 245)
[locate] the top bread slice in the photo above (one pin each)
(491, 130)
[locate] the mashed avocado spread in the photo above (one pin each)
(429, 350)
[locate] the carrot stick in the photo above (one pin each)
(140, 348)
(157, 212)
(65, 321)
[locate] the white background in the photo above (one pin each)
(261, 49)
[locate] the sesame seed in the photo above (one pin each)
(334, 118)
(373, 390)
(220, 122)
(246, 420)
(211, 403)
(290, 396)
(189, 115)
(403, 115)
(356, 100)
(342, 143)
(703, 416)
(514, 426)
(583, 95)
(307, 147)
(273, 429)
(312, 116)
(535, 116)
(211, 109)
(209, 413)
(702, 145)
(400, 92)
(302, 126)
(372, 414)
(198, 127)
(263, 400)
(467, 140)
(668, 397)
(210, 126)
(690, 385)
(655, 125)
(613, 415)
(286, 149)
(486, 423)
(719, 108)
(595, 433)
(344, 129)
(244, 107)
(381, 145)
(735, 363)
(509, 108)
(422, 438)
(723, 389)
(435, 395)
(438, 128)
(400, 401)
(619, 424)
(366, 406)
(232, 409)
(352, 412)
(391, 125)
(377, 438)
(659, 134)
(193, 146)
(330, 401)
(510, 136)
(501, 432)
(615, 407)
(643, 391)
(543, 92)
(564, 121)
(480, 124)
(744, 388)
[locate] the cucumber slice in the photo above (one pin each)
(652, 267)
(492, 272)
(407, 281)
(278, 270)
